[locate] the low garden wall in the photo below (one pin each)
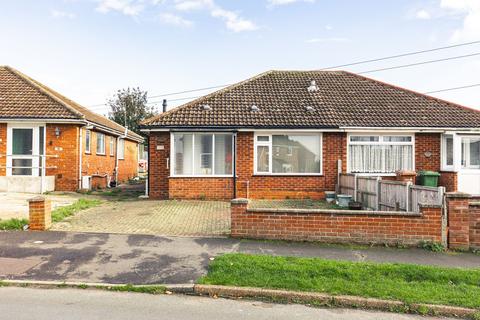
(337, 226)
(463, 221)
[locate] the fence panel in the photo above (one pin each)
(426, 196)
(347, 182)
(394, 196)
(367, 191)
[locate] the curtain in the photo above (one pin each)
(380, 158)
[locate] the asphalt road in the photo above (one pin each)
(76, 304)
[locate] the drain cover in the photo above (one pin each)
(13, 266)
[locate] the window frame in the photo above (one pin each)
(88, 146)
(379, 142)
(444, 165)
(121, 141)
(193, 175)
(467, 166)
(97, 136)
(112, 146)
(269, 143)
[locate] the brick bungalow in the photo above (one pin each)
(282, 133)
(48, 142)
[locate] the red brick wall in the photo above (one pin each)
(449, 180)
(128, 168)
(337, 227)
(3, 148)
(463, 221)
(281, 187)
(427, 143)
(475, 225)
(158, 169)
(66, 148)
(201, 188)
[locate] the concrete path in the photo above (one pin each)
(15, 205)
(170, 217)
(27, 304)
(140, 259)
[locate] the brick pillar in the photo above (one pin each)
(475, 225)
(40, 214)
(458, 220)
(238, 208)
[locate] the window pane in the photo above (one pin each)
(475, 152)
(22, 163)
(121, 149)
(41, 146)
(183, 154)
(263, 138)
(100, 143)
(397, 139)
(380, 158)
(296, 154)
(87, 141)
(364, 138)
(449, 150)
(203, 154)
(223, 154)
(22, 141)
(262, 159)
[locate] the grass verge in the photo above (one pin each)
(150, 289)
(13, 224)
(63, 212)
(404, 282)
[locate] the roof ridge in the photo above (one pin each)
(43, 90)
(393, 86)
(193, 102)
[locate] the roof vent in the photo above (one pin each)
(254, 108)
(206, 107)
(313, 86)
(309, 108)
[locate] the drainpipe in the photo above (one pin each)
(116, 161)
(80, 154)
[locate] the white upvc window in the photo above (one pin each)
(88, 136)
(100, 143)
(470, 152)
(112, 146)
(380, 154)
(448, 152)
(202, 154)
(290, 153)
(121, 149)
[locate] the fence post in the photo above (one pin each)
(355, 187)
(379, 185)
(339, 172)
(408, 196)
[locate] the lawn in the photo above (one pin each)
(57, 215)
(405, 282)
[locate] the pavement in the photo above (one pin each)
(15, 205)
(40, 304)
(169, 217)
(145, 259)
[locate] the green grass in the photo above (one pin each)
(404, 282)
(13, 224)
(293, 204)
(153, 289)
(61, 213)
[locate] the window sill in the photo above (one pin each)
(288, 174)
(88, 152)
(201, 176)
(100, 154)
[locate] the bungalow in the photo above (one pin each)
(48, 142)
(288, 134)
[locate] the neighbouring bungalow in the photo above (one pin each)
(284, 134)
(48, 142)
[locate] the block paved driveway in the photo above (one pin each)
(170, 218)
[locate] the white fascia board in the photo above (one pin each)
(38, 120)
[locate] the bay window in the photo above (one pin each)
(380, 153)
(202, 154)
(284, 154)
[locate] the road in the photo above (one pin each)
(76, 304)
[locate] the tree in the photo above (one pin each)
(129, 107)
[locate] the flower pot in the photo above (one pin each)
(330, 196)
(343, 200)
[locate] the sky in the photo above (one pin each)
(88, 49)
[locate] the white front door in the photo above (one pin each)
(25, 149)
(469, 173)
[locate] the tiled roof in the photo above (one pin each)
(343, 99)
(22, 97)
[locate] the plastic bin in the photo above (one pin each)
(429, 178)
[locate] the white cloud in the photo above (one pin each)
(62, 14)
(422, 14)
(328, 27)
(470, 10)
(283, 2)
(324, 40)
(126, 7)
(233, 21)
(175, 20)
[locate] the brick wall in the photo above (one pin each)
(427, 151)
(66, 148)
(128, 168)
(99, 166)
(463, 221)
(201, 188)
(449, 180)
(3, 148)
(158, 165)
(474, 225)
(336, 227)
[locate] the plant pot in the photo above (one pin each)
(355, 205)
(330, 196)
(343, 200)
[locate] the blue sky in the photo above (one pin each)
(87, 49)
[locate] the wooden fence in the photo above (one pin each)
(386, 195)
